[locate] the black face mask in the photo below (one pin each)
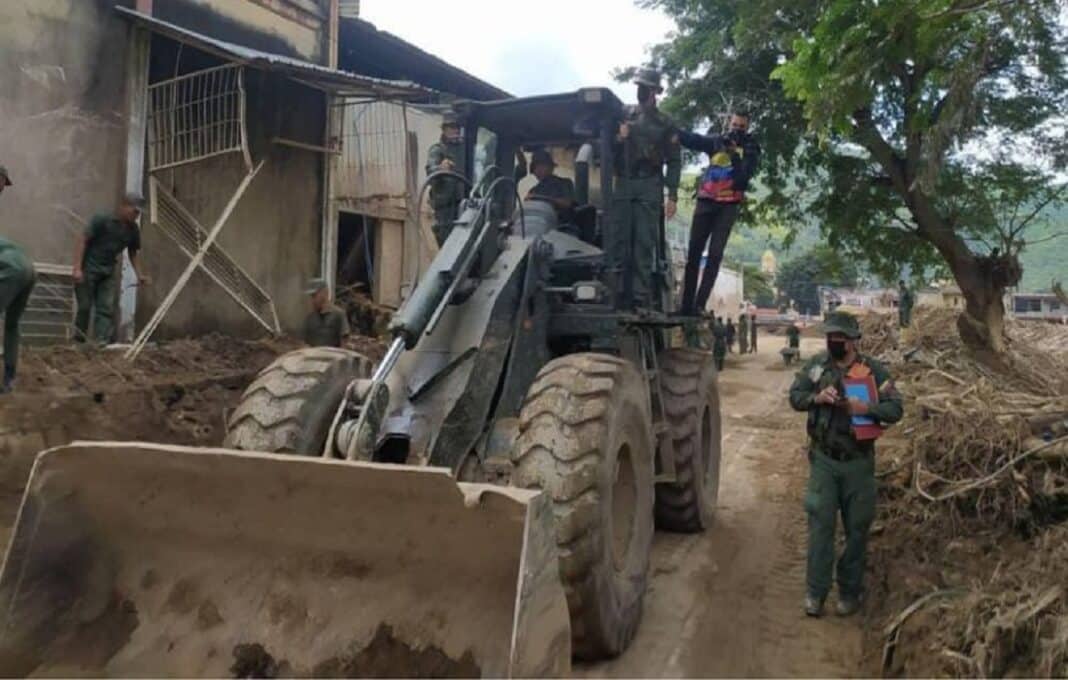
(837, 349)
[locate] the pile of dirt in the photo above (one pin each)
(67, 368)
(970, 543)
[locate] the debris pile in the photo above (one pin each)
(970, 545)
(879, 336)
(68, 368)
(368, 319)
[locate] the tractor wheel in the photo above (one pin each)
(585, 438)
(290, 406)
(691, 403)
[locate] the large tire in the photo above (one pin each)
(691, 404)
(585, 438)
(290, 406)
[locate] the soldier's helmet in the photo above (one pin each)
(649, 77)
(842, 322)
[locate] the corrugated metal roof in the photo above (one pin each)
(341, 82)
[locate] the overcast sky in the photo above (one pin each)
(528, 48)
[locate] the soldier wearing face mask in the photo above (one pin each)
(841, 468)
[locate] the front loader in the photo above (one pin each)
(481, 502)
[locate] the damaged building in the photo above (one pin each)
(275, 140)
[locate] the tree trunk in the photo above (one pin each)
(982, 322)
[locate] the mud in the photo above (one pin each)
(388, 657)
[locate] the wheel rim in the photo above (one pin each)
(624, 500)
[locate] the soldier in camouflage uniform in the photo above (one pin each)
(841, 468)
(16, 283)
(446, 193)
(904, 304)
(743, 334)
(647, 143)
(719, 342)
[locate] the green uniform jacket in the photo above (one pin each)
(829, 428)
(794, 336)
(651, 144)
(326, 328)
(446, 192)
(107, 236)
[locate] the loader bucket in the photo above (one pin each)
(135, 559)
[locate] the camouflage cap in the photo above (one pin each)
(314, 286)
(649, 77)
(4, 177)
(542, 157)
(450, 118)
(842, 322)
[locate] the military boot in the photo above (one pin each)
(813, 606)
(849, 605)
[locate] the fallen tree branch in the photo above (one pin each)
(983, 481)
(893, 630)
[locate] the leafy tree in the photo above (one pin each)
(920, 133)
(799, 278)
(756, 286)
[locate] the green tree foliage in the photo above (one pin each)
(757, 288)
(799, 278)
(885, 119)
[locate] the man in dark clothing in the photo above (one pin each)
(733, 160)
(16, 283)
(326, 325)
(752, 333)
(905, 301)
(719, 342)
(96, 252)
(743, 334)
(841, 467)
(731, 333)
(446, 192)
(559, 191)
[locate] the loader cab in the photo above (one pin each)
(576, 128)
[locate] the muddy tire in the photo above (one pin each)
(691, 404)
(290, 406)
(585, 438)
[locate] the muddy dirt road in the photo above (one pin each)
(728, 602)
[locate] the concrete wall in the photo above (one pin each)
(63, 135)
(728, 293)
(297, 28)
(274, 233)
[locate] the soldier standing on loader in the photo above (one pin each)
(648, 142)
(743, 334)
(904, 304)
(841, 467)
(719, 342)
(446, 193)
(326, 325)
(16, 282)
(96, 251)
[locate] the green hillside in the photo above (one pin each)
(1046, 261)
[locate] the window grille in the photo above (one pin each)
(197, 116)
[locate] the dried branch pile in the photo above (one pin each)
(974, 500)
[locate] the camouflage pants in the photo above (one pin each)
(16, 282)
(96, 294)
(444, 218)
(846, 487)
(637, 204)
